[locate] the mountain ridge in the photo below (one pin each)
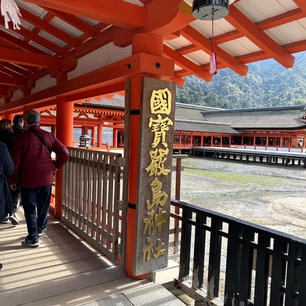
(267, 84)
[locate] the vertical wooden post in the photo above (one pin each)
(99, 140)
(115, 138)
(152, 44)
(93, 139)
(64, 133)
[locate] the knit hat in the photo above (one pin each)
(32, 117)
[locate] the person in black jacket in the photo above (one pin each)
(6, 135)
(17, 125)
(6, 169)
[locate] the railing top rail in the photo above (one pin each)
(249, 225)
(96, 151)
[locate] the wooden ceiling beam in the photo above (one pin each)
(244, 25)
(29, 58)
(206, 45)
(47, 27)
(187, 64)
(126, 15)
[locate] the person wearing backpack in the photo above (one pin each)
(31, 154)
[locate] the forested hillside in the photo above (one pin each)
(267, 84)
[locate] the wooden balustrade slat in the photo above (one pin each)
(185, 245)
(214, 258)
(199, 252)
(262, 271)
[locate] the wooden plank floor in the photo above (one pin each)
(62, 271)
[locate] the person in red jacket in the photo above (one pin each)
(31, 154)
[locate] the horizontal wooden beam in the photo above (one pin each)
(116, 12)
(29, 58)
(96, 92)
(115, 73)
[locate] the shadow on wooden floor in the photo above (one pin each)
(62, 271)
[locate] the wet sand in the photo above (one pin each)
(269, 195)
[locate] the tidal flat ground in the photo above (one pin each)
(269, 195)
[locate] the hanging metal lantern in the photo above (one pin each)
(210, 9)
(85, 141)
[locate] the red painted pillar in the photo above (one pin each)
(99, 140)
(152, 44)
(115, 138)
(93, 139)
(64, 133)
(211, 140)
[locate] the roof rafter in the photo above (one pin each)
(9, 71)
(263, 25)
(40, 40)
(187, 64)
(19, 43)
(47, 27)
(294, 47)
(126, 15)
(205, 44)
(75, 21)
(260, 38)
(29, 58)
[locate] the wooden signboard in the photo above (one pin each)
(154, 175)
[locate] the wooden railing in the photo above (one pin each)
(92, 198)
(227, 261)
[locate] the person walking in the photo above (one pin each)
(6, 169)
(17, 125)
(6, 135)
(31, 154)
(17, 129)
